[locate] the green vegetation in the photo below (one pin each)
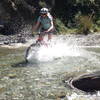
(71, 16)
(60, 26)
(85, 24)
(82, 16)
(42, 4)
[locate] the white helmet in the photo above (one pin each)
(44, 11)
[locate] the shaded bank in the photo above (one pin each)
(19, 12)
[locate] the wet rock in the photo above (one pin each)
(1, 43)
(2, 89)
(61, 95)
(10, 39)
(82, 40)
(12, 76)
(87, 83)
(21, 40)
(6, 42)
(52, 96)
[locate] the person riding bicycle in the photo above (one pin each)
(45, 23)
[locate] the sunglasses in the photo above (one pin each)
(43, 14)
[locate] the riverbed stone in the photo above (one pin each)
(2, 89)
(88, 82)
(61, 94)
(12, 76)
(85, 40)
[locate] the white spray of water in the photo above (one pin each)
(76, 96)
(58, 48)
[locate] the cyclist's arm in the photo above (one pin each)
(51, 27)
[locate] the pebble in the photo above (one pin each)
(86, 40)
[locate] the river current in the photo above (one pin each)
(42, 77)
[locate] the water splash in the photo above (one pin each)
(76, 96)
(58, 48)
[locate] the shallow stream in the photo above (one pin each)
(45, 80)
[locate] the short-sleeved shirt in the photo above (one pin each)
(45, 21)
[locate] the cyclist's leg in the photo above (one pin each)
(49, 36)
(40, 38)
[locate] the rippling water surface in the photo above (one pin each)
(44, 80)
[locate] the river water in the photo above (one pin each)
(44, 80)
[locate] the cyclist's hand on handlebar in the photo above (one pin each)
(45, 31)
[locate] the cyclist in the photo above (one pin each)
(45, 24)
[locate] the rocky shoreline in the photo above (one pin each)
(92, 39)
(82, 40)
(7, 40)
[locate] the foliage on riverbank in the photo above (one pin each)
(81, 16)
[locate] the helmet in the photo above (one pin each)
(44, 11)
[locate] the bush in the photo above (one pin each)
(85, 24)
(42, 4)
(60, 27)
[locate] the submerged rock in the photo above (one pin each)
(12, 76)
(2, 89)
(87, 83)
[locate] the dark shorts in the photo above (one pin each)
(42, 32)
